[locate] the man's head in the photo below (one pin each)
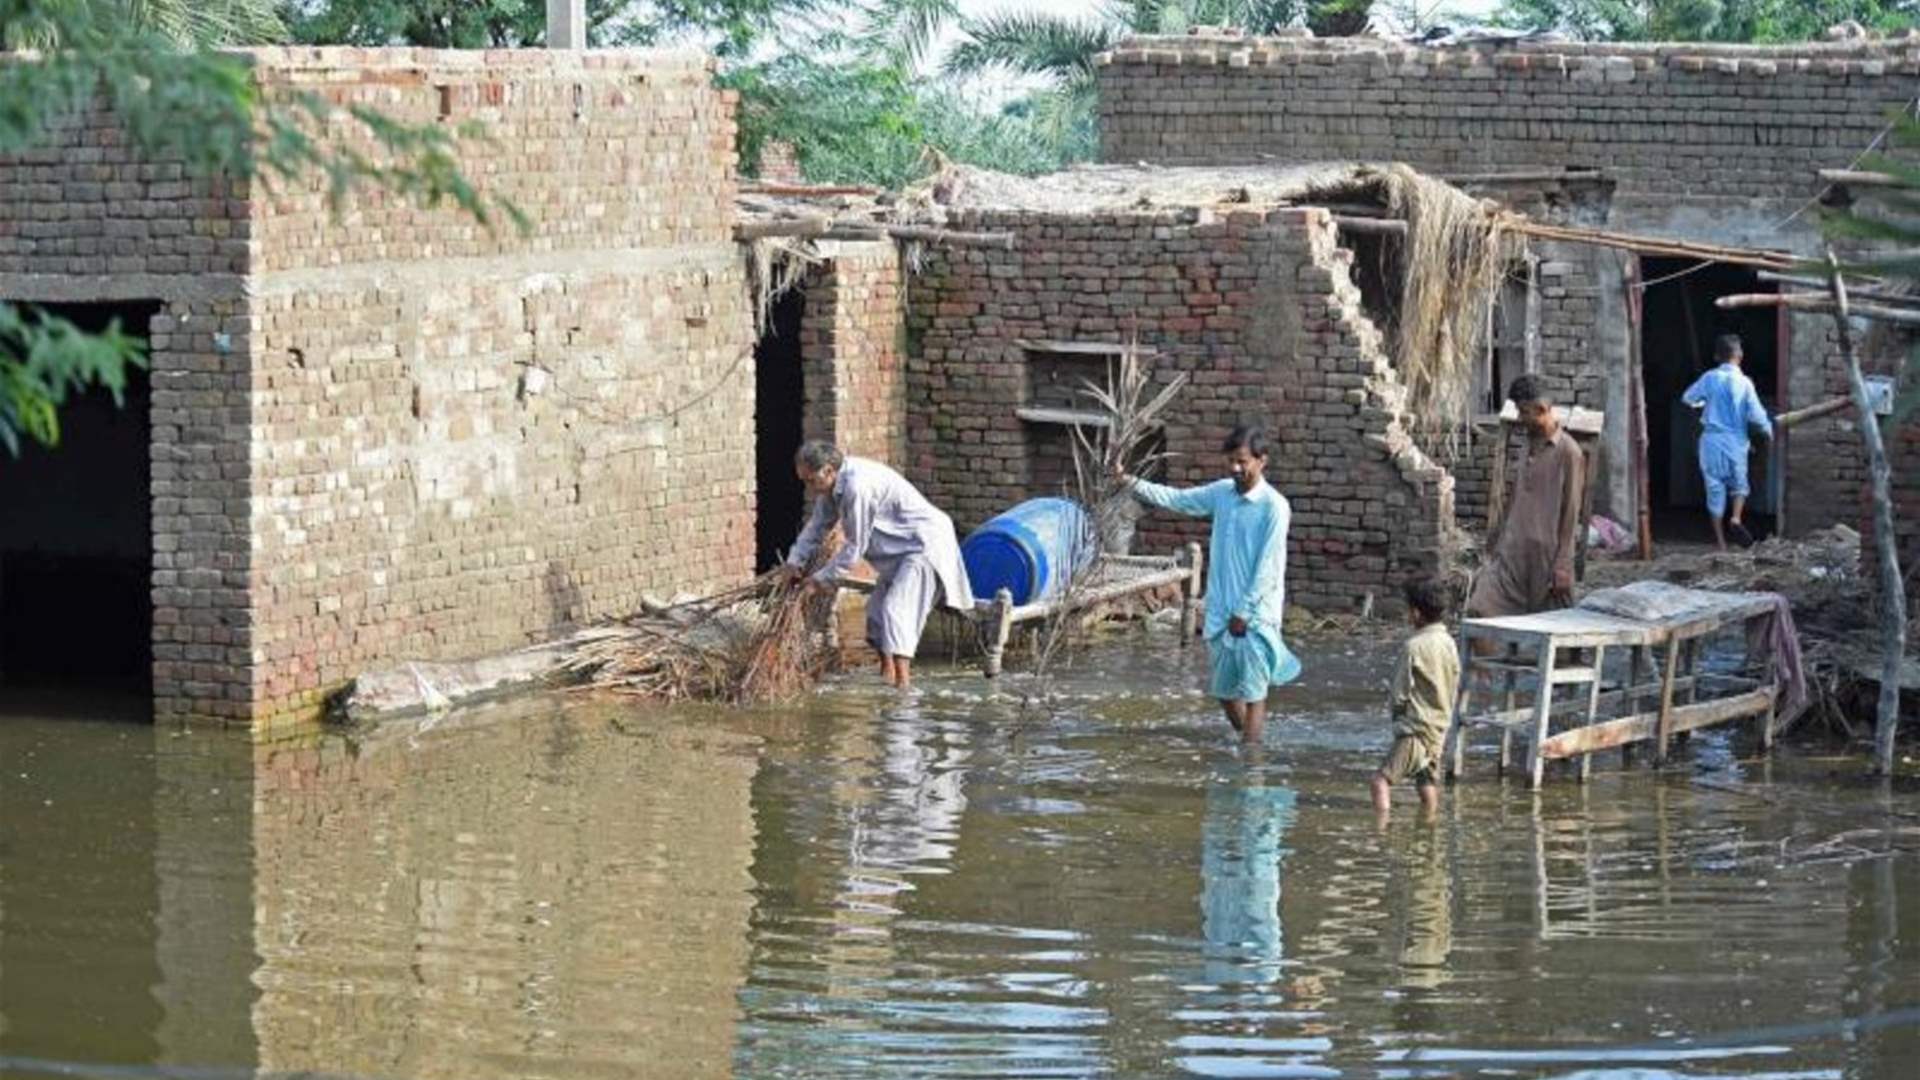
(817, 463)
(1428, 600)
(1246, 450)
(1727, 350)
(1536, 410)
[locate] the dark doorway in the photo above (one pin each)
(779, 405)
(1678, 326)
(76, 540)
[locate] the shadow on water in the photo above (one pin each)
(951, 884)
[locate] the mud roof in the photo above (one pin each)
(1118, 188)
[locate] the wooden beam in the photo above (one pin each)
(808, 190)
(1656, 245)
(1812, 412)
(1524, 176)
(1370, 225)
(1858, 178)
(1040, 414)
(1100, 349)
(1820, 286)
(1826, 304)
(781, 227)
(1643, 726)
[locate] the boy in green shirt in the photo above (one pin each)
(1424, 683)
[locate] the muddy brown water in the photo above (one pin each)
(951, 885)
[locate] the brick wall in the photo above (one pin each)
(1260, 312)
(464, 440)
(85, 218)
(852, 343)
(1708, 142)
(346, 470)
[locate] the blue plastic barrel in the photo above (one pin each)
(1028, 550)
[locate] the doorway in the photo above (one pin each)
(779, 408)
(76, 541)
(1678, 325)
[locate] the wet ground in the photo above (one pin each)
(952, 885)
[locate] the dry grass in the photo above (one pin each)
(1456, 253)
(752, 645)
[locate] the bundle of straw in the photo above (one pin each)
(1456, 254)
(749, 645)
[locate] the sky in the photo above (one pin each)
(1091, 8)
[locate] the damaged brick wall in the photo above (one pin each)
(852, 343)
(1256, 308)
(1718, 143)
(468, 440)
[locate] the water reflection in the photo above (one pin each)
(868, 887)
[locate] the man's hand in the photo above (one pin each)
(1237, 626)
(1562, 590)
(816, 588)
(787, 574)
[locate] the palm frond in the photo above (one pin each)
(1049, 45)
(907, 28)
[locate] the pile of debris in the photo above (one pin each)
(1833, 607)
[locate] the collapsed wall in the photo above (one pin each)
(1255, 306)
(1708, 142)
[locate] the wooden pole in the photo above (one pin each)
(1893, 598)
(1820, 284)
(1809, 302)
(806, 190)
(1858, 178)
(1637, 392)
(1655, 245)
(1812, 412)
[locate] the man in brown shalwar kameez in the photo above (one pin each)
(1531, 568)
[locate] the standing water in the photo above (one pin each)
(948, 885)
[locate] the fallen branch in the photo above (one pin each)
(807, 190)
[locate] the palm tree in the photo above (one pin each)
(188, 24)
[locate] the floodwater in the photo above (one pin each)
(951, 885)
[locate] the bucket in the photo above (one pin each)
(1028, 550)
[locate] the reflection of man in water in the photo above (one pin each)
(1240, 856)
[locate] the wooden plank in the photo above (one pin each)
(1512, 718)
(1085, 349)
(1643, 726)
(1090, 597)
(1041, 414)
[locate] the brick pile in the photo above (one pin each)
(1256, 307)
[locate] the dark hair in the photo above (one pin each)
(817, 454)
(1429, 597)
(1524, 389)
(1249, 436)
(1726, 347)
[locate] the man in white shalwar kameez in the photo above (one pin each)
(907, 540)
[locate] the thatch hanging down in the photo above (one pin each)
(1456, 252)
(755, 644)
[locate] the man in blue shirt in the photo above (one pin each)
(1729, 405)
(1246, 577)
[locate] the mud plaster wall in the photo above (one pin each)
(852, 347)
(1717, 143)
(467, 440)
(1256, 307)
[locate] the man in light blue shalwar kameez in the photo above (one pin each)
(1246, 577)
(1729, 405)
